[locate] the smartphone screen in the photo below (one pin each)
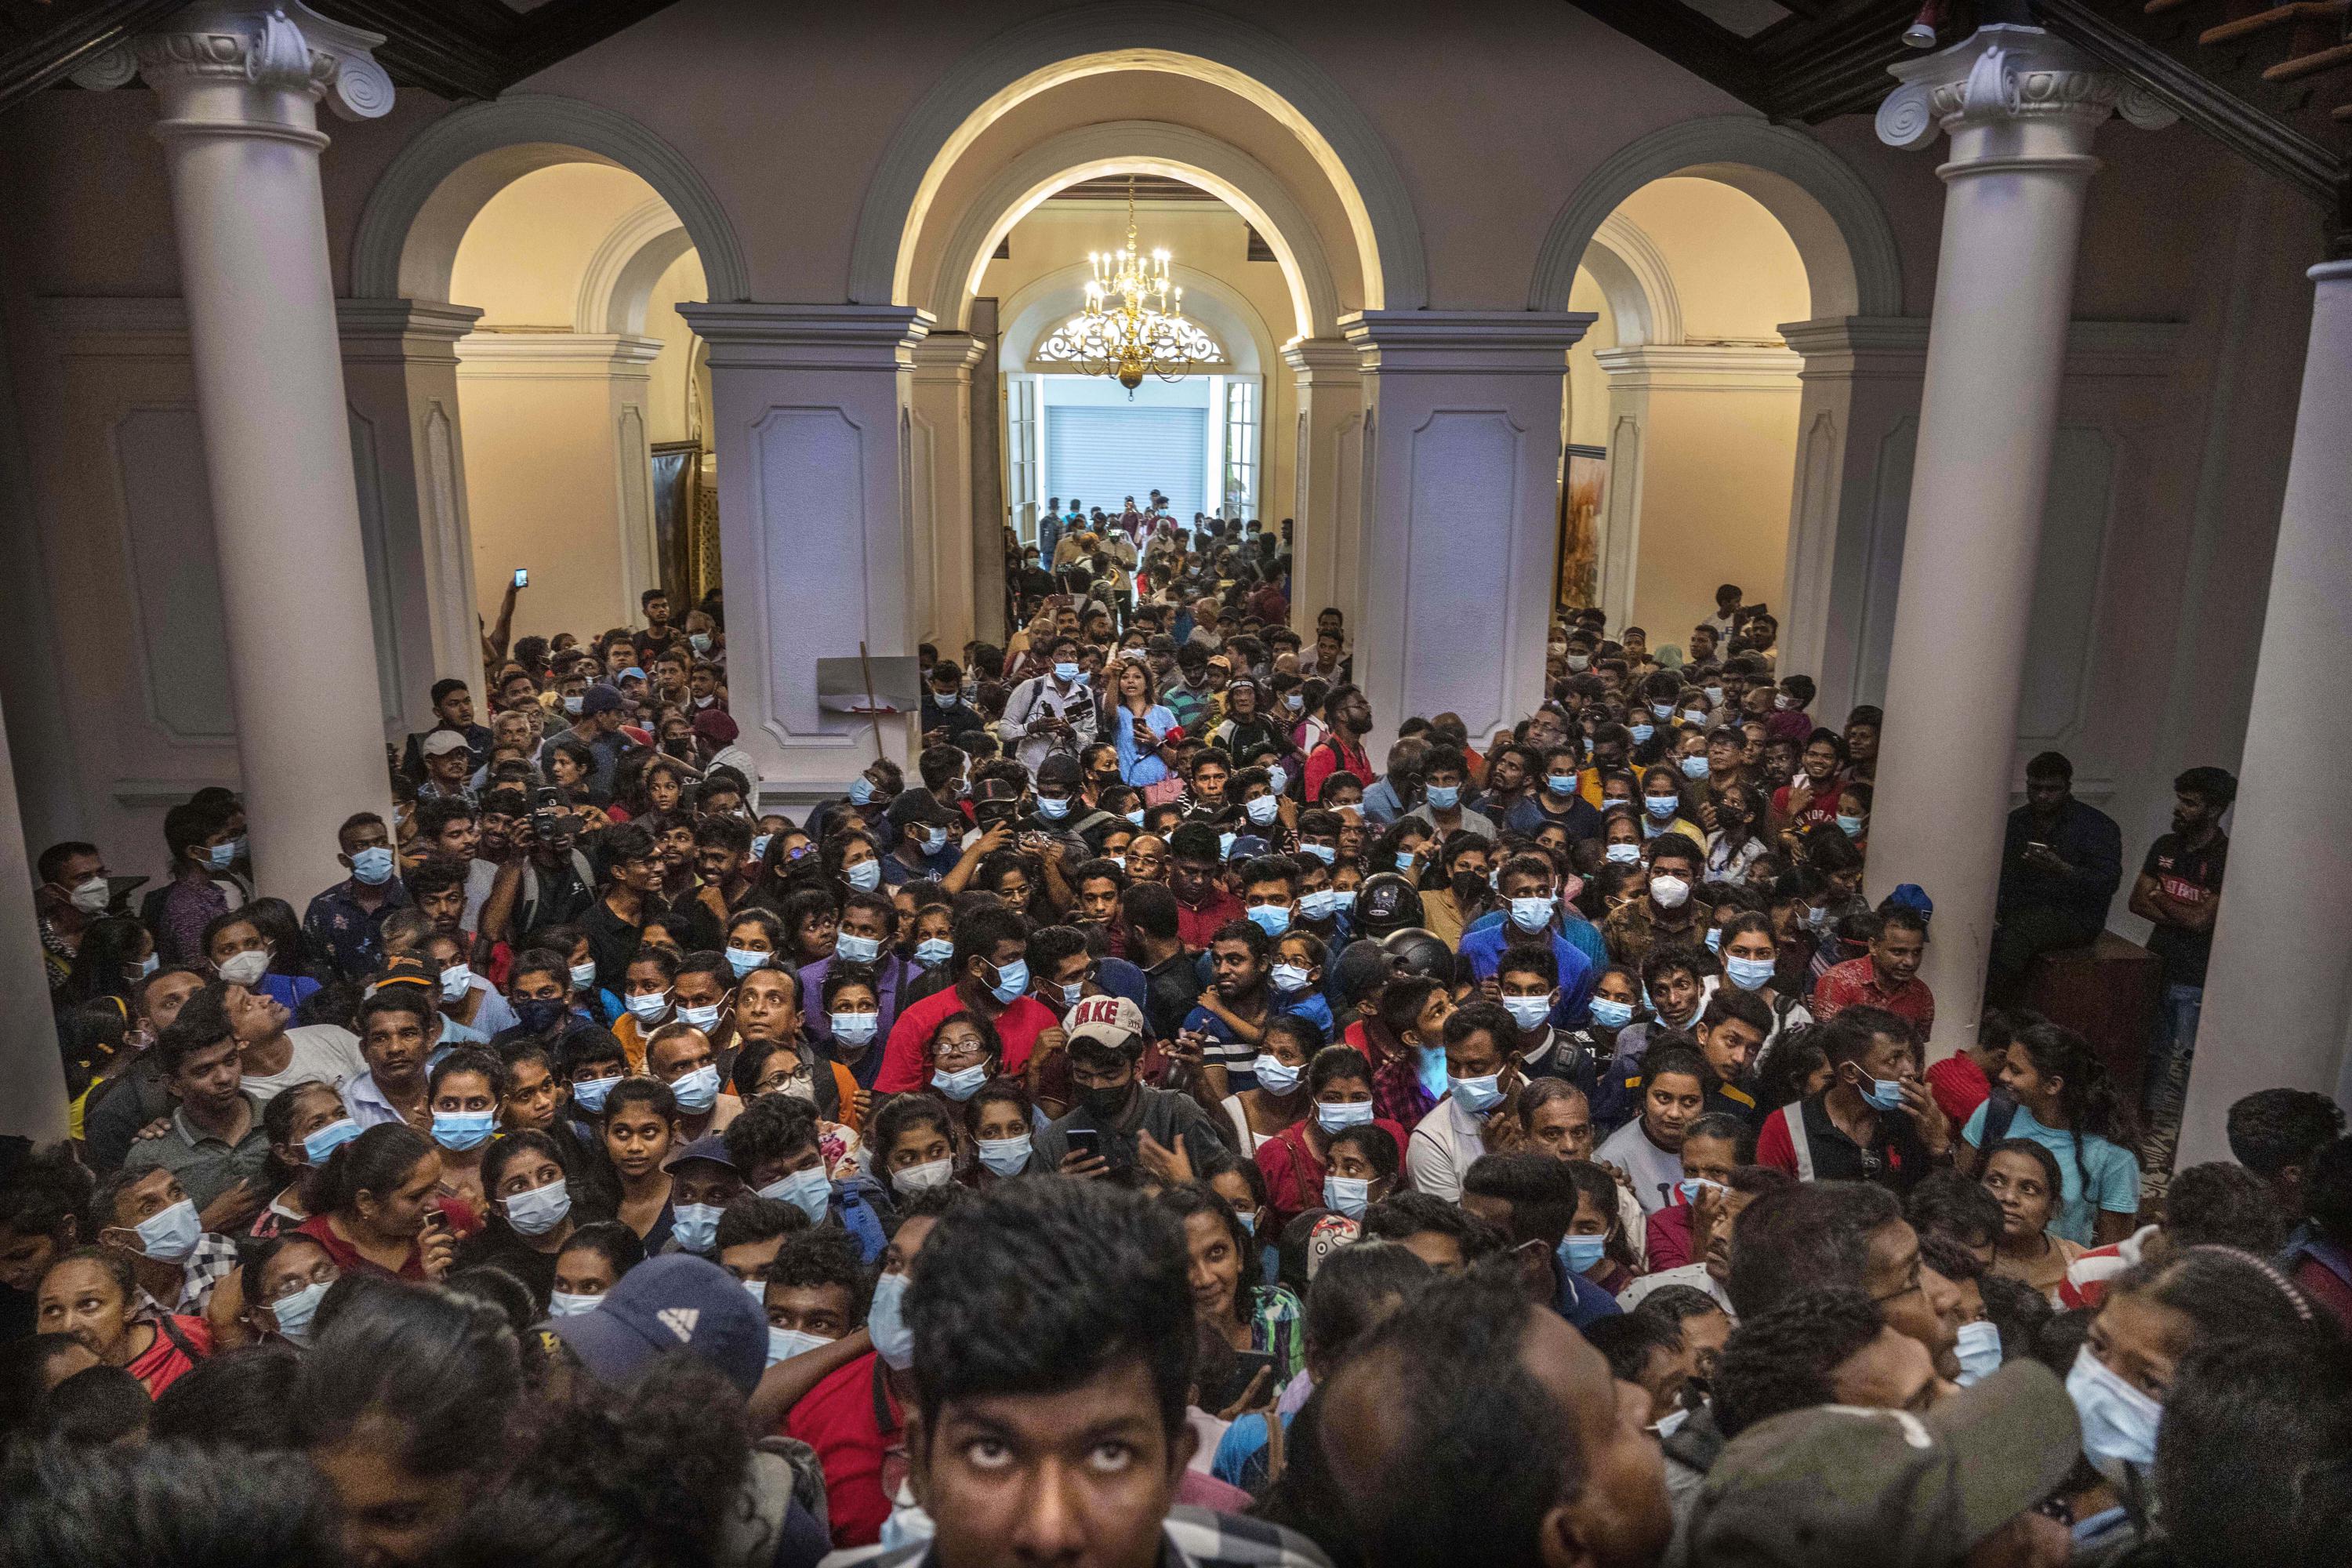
(1084, 1141)
(522, 577)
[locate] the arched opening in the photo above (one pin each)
(1682, 406)
(580, 399)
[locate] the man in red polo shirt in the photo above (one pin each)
(1886, 976)
(854, 1418)
(1195, 865)
(992, 980)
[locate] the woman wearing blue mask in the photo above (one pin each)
(964, 1052)
(1285, 1045)
(1295, 1161)
(648, 991)
(916, 1145)
(532, 1213)
(379, 1208)
(999, 1121)
(463, 1092)
(305, 1125)
(1750, 952)
(1595, 1245)
(284, 1280)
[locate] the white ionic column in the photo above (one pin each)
(946, 589)
(1857, 412)
(810, 414)
(1461, 515)
(2021, 109)
(2278, 991)
(1326, 503)
(239, 87)
(35, 1105)
(400, 372)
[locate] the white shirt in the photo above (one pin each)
(1653, 1170)
(1445, 1144)
(366, 1103)
(1249, 1140)
(323, 1053)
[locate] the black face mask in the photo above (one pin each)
(1469, 886)
(1102, 1105)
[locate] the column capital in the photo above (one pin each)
(557, 356)
(2009, 94)
(255, 51)
(748, 335)
(1477, 342)
(403, 330)
(1316, 360)
(1701, 367)
(947, 356)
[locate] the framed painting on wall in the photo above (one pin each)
(1581, 478)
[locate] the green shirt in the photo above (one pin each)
(207, 1166)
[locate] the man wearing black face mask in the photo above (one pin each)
(1121, 1122)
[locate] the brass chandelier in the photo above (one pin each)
(1134, 319)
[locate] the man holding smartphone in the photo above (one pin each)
(1119, 1120)
(2061, 864)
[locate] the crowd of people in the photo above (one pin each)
(1146, 1133)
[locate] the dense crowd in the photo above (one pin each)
(1148, 1133)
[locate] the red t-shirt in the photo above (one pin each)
(1960, 1085)
(1669, 1236)
(1855, 984)
(347, 1257)
(903, 1066)
(838, 1418)
(1196, 928)
(1294, 1175)
(163, 1362)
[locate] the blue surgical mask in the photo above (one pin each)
(1695, 767)
(1532, 913)
(539, 1210)
(372, 866)
(857, 949)
(854, 1028)
(170, 1237)
(221, 857)
(1750, 974)
(464, 1129)
(759, 845)
(704, 1018)
(1351, 1196)
(1271, 919)
(1343, 899)
(1405, 861)
(1527, 1012)
(865, 876)
(1476, 1095)
(295, 1312)
(1582, 1252)
(933, 950)
(809, 1190)
(1624, 854)
(1134, 818)
(698, 641)
(1714, 939)
(1004, 1156)
(1275, 1075)
(1064, 671)
(649, 1007)
(1561, 785)
(563, 1304)
(1277, 777)
(2119, 1421)
(1642, 733)
(1290, 978)
(742, 960)
(861, 791)
(697, 1091)
(1051, 809)
(886, 1323)
(1319, 905)
(1979, 1352)
(1445, 797)
(1662, 807)
(1326, 853)
(934, 840)
(696, 1228)
(328, 1139)
(583, 975)
(1663, 709)
(1225, 844)
(1886, 1093)
(1849, 826)
(1012, 979)
(1262, 810)
(961, 1084)
(1612, 1015)
(785, 1344)
(589, 1093)
(1338, 1116)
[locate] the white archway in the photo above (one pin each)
(423, 202)
(1838, 229)
(1637, 282)
(1143, 147)
(617, 286)
(1145, 34)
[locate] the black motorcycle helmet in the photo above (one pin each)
(1386, 902)
(1415, 952)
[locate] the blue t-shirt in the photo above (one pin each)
(1310, 1004)
(1241, 1459)
(2114, 1174)
(1484, 946)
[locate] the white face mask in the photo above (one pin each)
(456, 980)
(245, 968)
(90, 896)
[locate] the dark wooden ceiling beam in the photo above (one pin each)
(561, 28)
(78, 35)
(450, 47)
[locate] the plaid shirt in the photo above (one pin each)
(214, 1261)
(1190, 1537)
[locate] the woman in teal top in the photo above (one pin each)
(2061, 1097)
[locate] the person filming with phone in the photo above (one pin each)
(1121, 1122)
(2060, 867)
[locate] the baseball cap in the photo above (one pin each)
(1060, 768)
(1838, 1484)
(919, 806)
(718, 728)
(1911, 896)
(441, 743)
(710, 1146)
(674, 1302)
(601, 699)
(1112, 1021)
(989, 792)
(1159, 642)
